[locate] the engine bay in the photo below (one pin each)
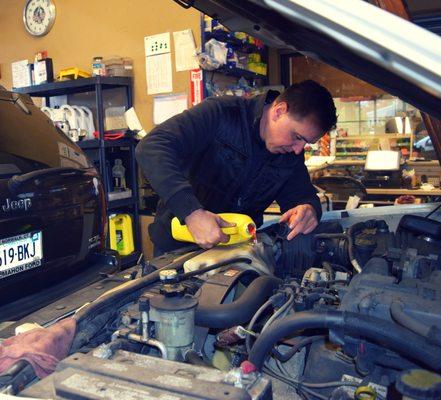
(340, 313)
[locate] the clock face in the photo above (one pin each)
(39, 16)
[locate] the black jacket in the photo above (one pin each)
(204, 158)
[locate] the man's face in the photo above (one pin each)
(284, 133)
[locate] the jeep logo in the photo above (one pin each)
(12, 205)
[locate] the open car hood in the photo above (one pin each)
(351, 35)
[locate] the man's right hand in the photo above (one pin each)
(205, 227)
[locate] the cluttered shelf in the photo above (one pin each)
(357, 146)
(97, 143)
(237, 42)
(373, 137)
(350, 153)
(233, 63)
(239, 72)
(80, 85)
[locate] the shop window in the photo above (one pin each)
(371, 121)
(368, 117)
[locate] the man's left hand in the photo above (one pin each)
(300, 219)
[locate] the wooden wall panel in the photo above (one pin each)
(339, 83)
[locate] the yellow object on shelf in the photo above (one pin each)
(121, 234)
(258, 67)
(244, 230)
(72, 73)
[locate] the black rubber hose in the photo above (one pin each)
(240, 311)
(287, 355)
(432, 333)
(126, 345)
(382, 332)
(353, 230)
(351, 252)
(192, 357)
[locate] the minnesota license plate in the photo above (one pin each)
(20, 253)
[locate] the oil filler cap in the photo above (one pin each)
(419, 384)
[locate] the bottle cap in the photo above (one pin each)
(167, 274)
(419, 384)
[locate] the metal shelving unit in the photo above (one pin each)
(99, 146)
(358, 145)
(226, 70)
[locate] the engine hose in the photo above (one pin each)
(282, 311)
(287, 355)
(192, 357)
(351, 253)
(240, 311)
(432, 333)
(383, 332)
(353, 230)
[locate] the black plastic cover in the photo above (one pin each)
(421, 226)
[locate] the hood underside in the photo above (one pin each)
(353, 36)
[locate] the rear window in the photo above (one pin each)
(30, 141)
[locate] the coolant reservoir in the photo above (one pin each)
(173, 314)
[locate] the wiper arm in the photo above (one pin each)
(18, 101)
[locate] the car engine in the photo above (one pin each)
(336, 314)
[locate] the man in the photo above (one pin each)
(230, 154)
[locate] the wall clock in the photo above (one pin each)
(39, 16)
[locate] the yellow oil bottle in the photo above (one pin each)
(121, 234)
(244, 230)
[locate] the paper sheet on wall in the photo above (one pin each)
(159, 73)
(165, 107)
(185, 50)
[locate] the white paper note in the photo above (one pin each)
(157, 44)
(165, 107)
(21, 76)
(159, 73)
(185, 50)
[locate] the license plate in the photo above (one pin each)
(20, 253)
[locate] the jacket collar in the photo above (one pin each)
(259, 102)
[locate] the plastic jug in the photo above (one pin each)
(121, 234)
(244, 230)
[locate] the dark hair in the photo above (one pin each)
(310, 98)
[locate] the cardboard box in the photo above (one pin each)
(146, 243)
